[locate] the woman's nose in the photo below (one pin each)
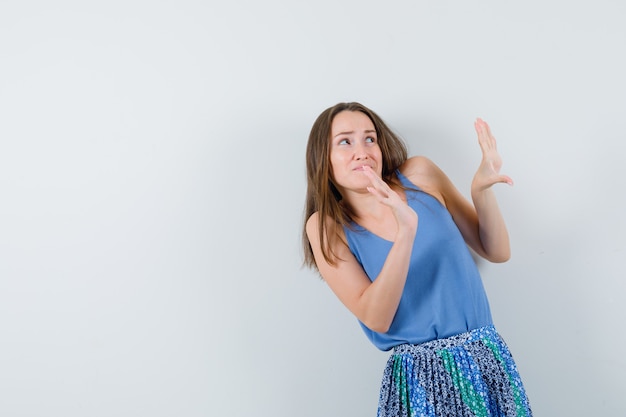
(360, 152)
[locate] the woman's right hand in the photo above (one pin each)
(405, 216)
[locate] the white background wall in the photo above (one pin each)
(152, 185)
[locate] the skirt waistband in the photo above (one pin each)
(486, 332)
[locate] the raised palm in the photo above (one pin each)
(488, 172)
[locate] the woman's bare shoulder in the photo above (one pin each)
(420, 168)
(330, 225)
(312, 226)
(424, 173)
(417, 163)
(313, 220)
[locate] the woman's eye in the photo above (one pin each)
(344, 142)
(370, 140)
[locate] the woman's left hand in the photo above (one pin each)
(488, 172)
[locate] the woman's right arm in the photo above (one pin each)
(373, 303)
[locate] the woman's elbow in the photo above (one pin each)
(378, 326)
(500, 256)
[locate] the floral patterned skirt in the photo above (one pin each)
(470, 374)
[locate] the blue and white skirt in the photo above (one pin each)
(470, 374)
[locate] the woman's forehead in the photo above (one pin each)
(350, 122)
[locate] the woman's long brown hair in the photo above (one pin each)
(322, 195)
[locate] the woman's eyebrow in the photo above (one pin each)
(343, 133)
(352, 131)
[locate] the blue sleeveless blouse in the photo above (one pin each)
(443, 295)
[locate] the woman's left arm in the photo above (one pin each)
(482, 224)
(493, 234)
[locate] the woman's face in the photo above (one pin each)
(354, 144)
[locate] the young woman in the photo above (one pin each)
(389, 235)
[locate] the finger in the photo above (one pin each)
(378, 183)
(384, 194)
(485, 138)
(369, 172)
(380, 195)
(504, 179)
(486, 132)
(489, 135)
(375, 179)
(500, 179)
(372, 190)
(383, 191)
(483, 135)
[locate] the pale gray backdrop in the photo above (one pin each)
(152, 185)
